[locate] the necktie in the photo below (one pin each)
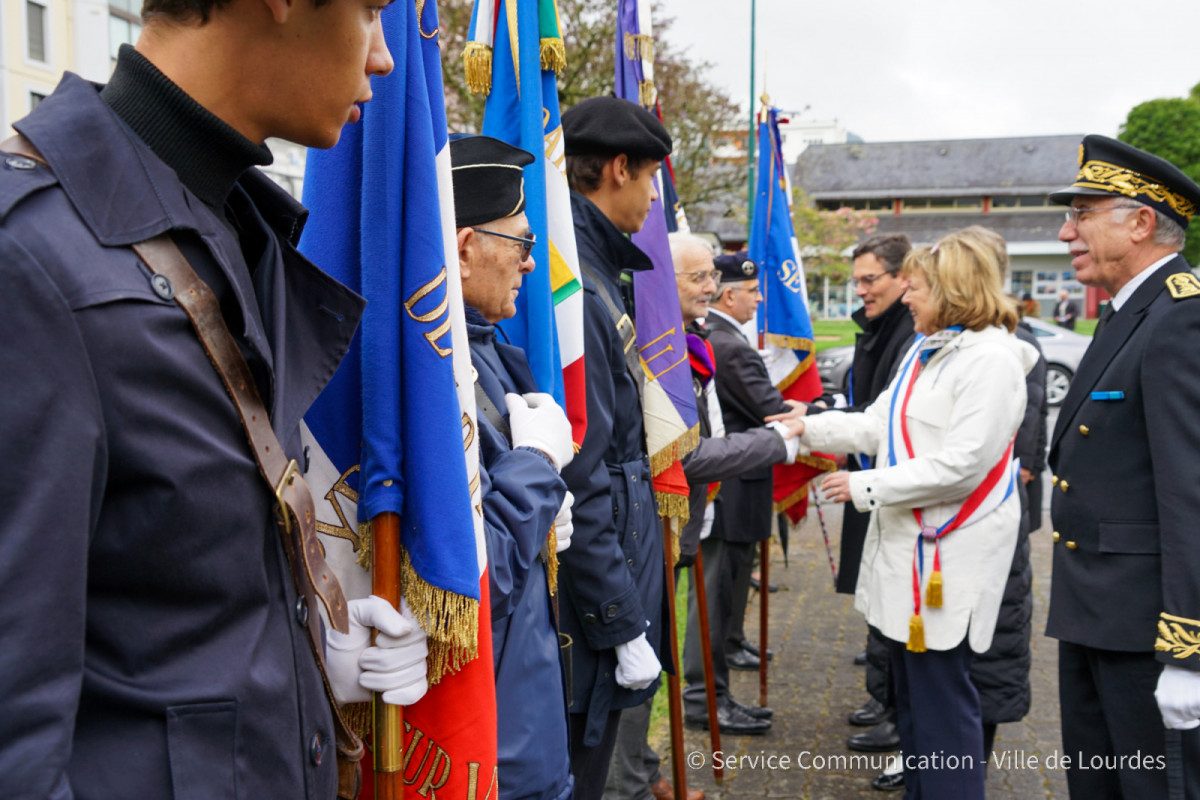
(1104, 318)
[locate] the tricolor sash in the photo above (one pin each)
(996, 487)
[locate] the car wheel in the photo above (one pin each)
(1058, 381)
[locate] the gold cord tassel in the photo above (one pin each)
(477, 62)
(639, 46)
(933, 592)
(916, 634)
(554, 54)
(552, 561)
(647, 94)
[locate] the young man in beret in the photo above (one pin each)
(613, 577)
(524, 440)
(1125, 594)
(155, 643)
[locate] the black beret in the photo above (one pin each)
(736, 267)
(488, 179)
(1111, 167)
(611, 126)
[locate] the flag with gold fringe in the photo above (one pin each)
(403, 393)
(783, 321)
(524, 49)
(668, 404)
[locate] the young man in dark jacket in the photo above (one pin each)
(155, 643)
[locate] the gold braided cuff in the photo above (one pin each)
(1179, 637)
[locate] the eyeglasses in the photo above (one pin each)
(867, 281)
(703, 276)
(527, 243)
(1073, 214)
(756, 290)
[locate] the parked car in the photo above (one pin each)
(1063, 350)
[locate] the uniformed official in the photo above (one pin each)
(524, 440)
(613, 600)
(1125, 597)
(156, 643)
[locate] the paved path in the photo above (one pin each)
(815, 634)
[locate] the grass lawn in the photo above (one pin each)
(833, 332)
(1086, 326)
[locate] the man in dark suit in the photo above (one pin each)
(1066, 311)
(1125, 597)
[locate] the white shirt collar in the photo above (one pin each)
(1128, 289)
(726, 317)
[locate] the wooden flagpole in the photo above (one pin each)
(710, 688)
(388, 720)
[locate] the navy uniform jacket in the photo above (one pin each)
(1126, 492)
(151, 641)
(744, 505)
(522, 493)
(613, 576)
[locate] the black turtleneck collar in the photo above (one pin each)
(207, 154)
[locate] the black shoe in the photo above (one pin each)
(869, 715)
(756, 584)
(741, 660)
(757, 712)
(860, 660)
(730, 720)
(752, 649)
(882, 738)
(888, 781)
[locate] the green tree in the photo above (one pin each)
(1170, 128)
(825, 237)
(695, 111)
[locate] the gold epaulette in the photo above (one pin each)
(1183, 284)
(1180, 637)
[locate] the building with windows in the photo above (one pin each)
(927, 189)
(42, 39)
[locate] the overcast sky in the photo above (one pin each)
(933, 69)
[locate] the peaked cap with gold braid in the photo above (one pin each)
(1111, 167)
(488, 179)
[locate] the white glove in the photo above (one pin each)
(563, 527)
(637, 666)
(791, 442)
(395, 665)
(538, 422)
(1178, 696)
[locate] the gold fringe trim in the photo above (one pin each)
(647, 94)
(673, 505)
(358, 717)
(477, 62)
(820, 462)
(450, 621)
(795, 374)
(675, 451)
(713, 489)
(791, 499)
(364, 545)
(554, 54)
(789, 342)
(552, 560)
(916, 634)
(933, 592)
(639, 46)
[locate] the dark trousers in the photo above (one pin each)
(721, 561)
(735, 634)
(937, 714)
(635, 765)
(1109, 711)
(589, 765)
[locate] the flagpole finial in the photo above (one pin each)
(766, 99)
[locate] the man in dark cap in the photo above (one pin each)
(743, 508)
(1125, 596)
(524, 441)
(613, 577)
(157, 640)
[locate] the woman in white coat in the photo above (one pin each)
(945, 509)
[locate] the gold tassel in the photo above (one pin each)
(477, 62)
(647, 94)
(916, 634)
(639, 46)
(933, 592)
(552, 561)
(554, 54)
(364, 545)
(450, 621)
(359, 717)
(673, 505)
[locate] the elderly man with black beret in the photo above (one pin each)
(1125, 596)
(524, 441)
(612, 579)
